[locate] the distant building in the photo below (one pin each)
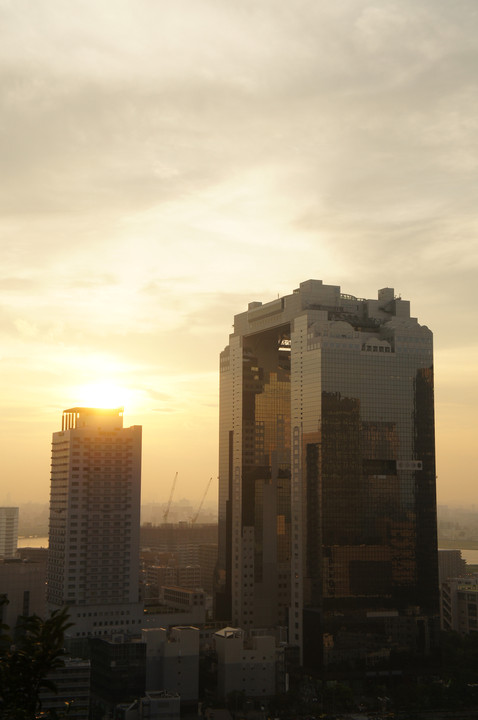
(207, 562)
(34, 554)
(450, 565)
(247, 665)
(93, 558)
(327, 508)
(8, 531)
(186, 576)
(182, 539)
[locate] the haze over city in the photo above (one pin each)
(167, 163)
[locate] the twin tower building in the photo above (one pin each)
(327, 509)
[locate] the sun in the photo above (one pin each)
(103, 394)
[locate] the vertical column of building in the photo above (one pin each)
(57, 571)
(228, 590)
(298, 349)
(236, 489)
(222, 589)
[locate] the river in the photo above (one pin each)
(471, 556)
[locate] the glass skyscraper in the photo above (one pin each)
(327, 509)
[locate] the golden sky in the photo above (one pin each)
(165, 163)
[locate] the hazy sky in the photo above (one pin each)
(164, 163)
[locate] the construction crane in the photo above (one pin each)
(195, 517)
(166, 512)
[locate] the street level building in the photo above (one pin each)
(327, 510)
(93, 558)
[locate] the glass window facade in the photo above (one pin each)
(327, 478)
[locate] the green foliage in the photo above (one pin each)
(24, 665)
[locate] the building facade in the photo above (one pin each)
(172, 661)
(327, 510)
(8, 531)
(22, 586)
(450, 565)
(72, 694)
(459, 604)
(93, 559)
(248, 665)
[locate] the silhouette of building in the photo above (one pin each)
(158, 705)
(450, 565)
(327, 510)
(183, 539)
(118, 673)
(71, 696)
(8, 531)
(93, 558)
(207, 563)
(22, 584)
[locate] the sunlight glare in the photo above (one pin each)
(103, 395)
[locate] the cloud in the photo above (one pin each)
(166, 163)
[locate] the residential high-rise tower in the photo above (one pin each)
(93, 558)
(8, 531)
(327, 511)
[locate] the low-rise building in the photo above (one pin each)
(118, 672)
(72, 682)
(450, 565)
(246, 664)
(459, 604)
(158, 705)
(172, 661)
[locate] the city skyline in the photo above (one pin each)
(164, 165)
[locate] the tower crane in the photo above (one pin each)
(166, 512)
(195, 517)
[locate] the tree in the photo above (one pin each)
(25, 663)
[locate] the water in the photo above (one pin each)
(471, 556)
(34, 542)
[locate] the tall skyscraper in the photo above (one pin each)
(8, 531)
(327, 510)
(93, 558)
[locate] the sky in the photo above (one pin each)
(165, 163)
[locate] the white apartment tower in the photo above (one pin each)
(8, 531)
(93, 559)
